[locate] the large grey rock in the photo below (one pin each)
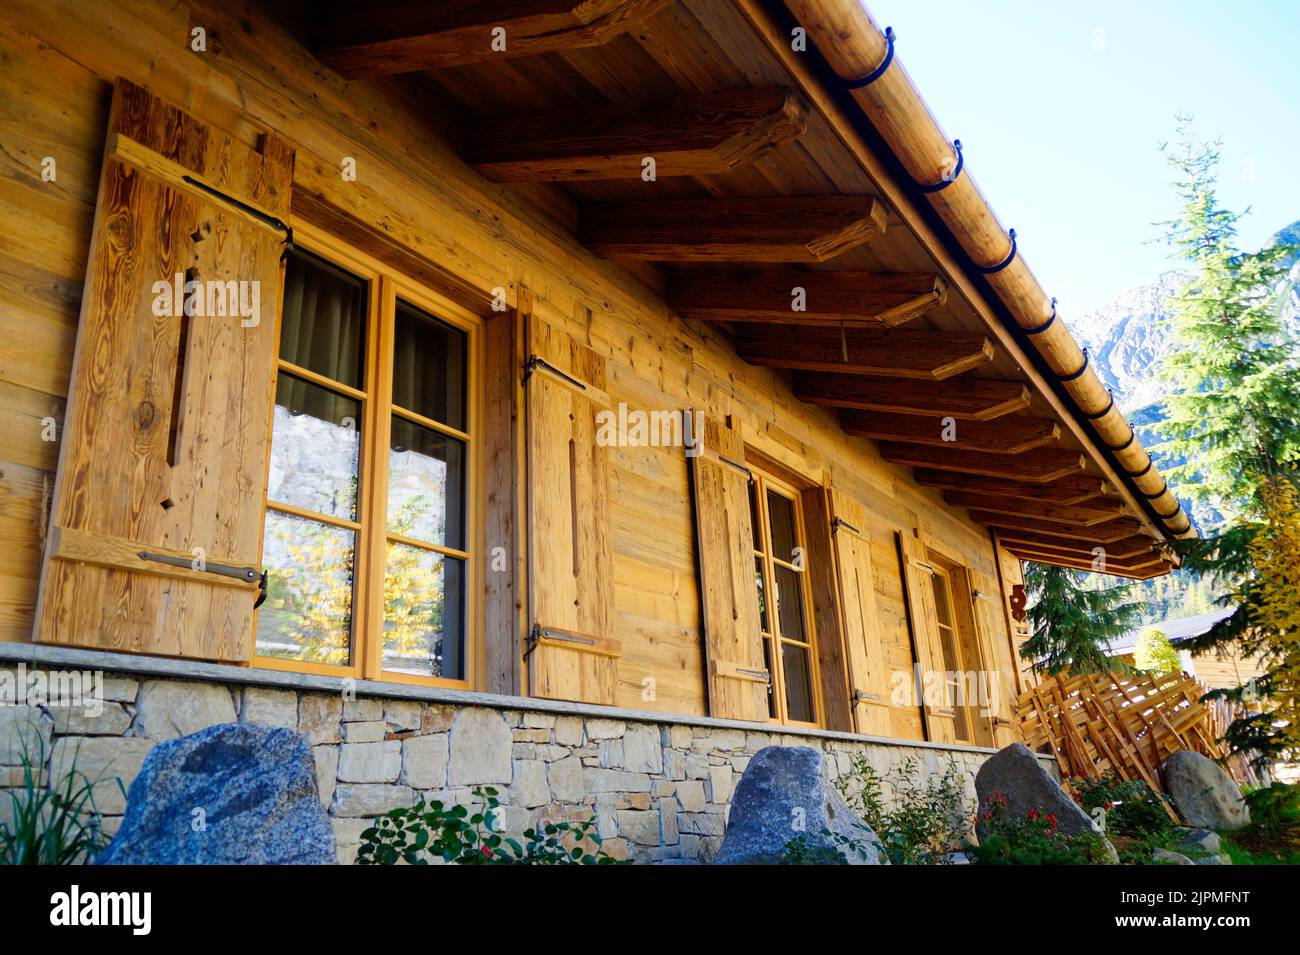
(1020, 778)
(227, 795)
(783, 795)
(1169, 857)
(1202, 792)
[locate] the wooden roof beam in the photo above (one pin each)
(688, 136)
(364, 40)
(1107, 532)
(770, 229)
(927, 354)
(1068, 514)
(790, 297)
(1143, 571)
(1013, 435)
(966, 399)
(1036, 467)
(1138, 545)
(1067, 490)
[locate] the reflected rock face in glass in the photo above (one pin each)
(423, 612)
(308, 611)
(315, 449)
(425, 485)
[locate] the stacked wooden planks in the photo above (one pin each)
(1126, 726)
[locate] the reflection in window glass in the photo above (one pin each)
(762, 595)
(798, 683)
(315, 448)
(780, 515)
(322, 323)
(308, 610)
(423, 613)
(429, 361)
(425, 485)
(789, 603)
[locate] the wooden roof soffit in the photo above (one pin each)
(931, 355)
(688, 136)
(366, 40)
(1128, 549)
(1107, 532)
(1037, 467)
(966, 399)
(1066, 490)
(1089, 562)
(1010, 435)
(1068, 514)
(775, 229)
(794, 297)
(856, 49)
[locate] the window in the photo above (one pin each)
(366, 537)
(948, 646)
(784, 600)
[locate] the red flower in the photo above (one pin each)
(1108, 807)
(486, 851)
(1033, 814)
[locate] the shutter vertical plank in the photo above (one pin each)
(168, 416)
(737, 678)
(868, 677)
(991, 624)
(572, 655)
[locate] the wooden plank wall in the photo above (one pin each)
(59, 61)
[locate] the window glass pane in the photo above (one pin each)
(789, 603)
(780, 513)
(429, 366)
(762, 595)
(426, 471)
(423, 612)
(308, 610)
(798, 684)
(322, 324)
(315, 448)
(771, 677)
(755, 525)
(941, 608)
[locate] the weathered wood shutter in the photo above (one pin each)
(868, 678)
(940, 719)
(737, 676)
(990, 621)
(157, 507)
(571, 652)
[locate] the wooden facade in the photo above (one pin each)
(910, 439)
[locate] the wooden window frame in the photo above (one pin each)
(384, 286)
(760, 482)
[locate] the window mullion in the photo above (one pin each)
(373, 551)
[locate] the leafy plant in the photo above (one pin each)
(56, 824)
(803, 851)
(1132, 807)
(1036, 839)
(928, 817)
(464, 836)
(1155, 654)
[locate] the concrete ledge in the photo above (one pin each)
(41, 654)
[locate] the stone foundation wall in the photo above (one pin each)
(660, 788)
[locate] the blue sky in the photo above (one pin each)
(1061, 108)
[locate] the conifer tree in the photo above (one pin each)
(1232, 414)
(1072, 623)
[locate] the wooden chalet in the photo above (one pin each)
(661, 355)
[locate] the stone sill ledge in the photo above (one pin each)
(83, 659)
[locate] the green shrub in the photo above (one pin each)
(56, 824)
(428, 831)
(1132, 807)
(929, 818)
(1274, 807)
(1034, 840)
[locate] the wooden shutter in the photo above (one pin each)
(737, 676)
(868, 676)
(990, 621)
(571, 652)
(157, 507)
(940, 720)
